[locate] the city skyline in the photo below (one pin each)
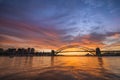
(50, 24)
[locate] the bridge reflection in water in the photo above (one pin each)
(59, 68)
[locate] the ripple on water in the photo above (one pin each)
(59, 68)
(59, 73)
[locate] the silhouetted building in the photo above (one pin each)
(28, 50)
(21, 51)
(32, 50)
(98, 52)
(10, 51)
(1, 51)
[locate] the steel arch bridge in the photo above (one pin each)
(85, 49)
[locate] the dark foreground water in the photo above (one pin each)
(60, 68)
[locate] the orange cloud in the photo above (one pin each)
(21, 34)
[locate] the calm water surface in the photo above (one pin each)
(60, 68)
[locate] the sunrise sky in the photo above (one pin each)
(50, 24)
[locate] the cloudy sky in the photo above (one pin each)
(50, 24)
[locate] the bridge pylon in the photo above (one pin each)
(98, 52)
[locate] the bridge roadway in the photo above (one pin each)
(90, 51)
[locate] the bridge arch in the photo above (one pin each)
(60, 50)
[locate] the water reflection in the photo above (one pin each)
(52, 61)
(100, 60)
(59, 68)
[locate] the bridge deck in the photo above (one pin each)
(86, 51)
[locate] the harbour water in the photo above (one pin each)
(60, 68)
